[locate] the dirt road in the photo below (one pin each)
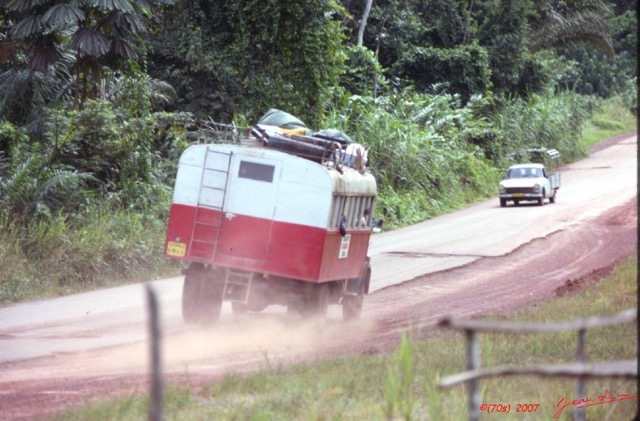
(58, 353)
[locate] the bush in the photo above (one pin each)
(606, 124)
(422, 151)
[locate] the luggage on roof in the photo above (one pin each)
(280, 130)
(278, 118)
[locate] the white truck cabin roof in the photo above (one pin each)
(532, 165)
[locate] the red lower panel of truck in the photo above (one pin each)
(259, 245)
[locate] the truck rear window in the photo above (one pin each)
(255, 171)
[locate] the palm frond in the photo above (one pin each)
(63, 15)
(122, 5)
(90, 41)
(586, 24)
(43, 52)
(60, 186)
(34, 189)
(29, 25)
(115, 87)
(160, 92)
(17, 187)
(126, 22)
(24, 5)
(122, 48)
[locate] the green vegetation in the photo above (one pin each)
(403, 385)
(62, 255)
(428, 153)
(99, 98)
(425, 151)
(88, 205)
(610, 117)
(100, 219)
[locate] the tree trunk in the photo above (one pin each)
(363, 22)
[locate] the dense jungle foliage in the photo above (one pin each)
(98, 98)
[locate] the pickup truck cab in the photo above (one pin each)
(528, 182)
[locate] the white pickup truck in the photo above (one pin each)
(529, 182)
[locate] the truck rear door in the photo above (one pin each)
(247, 216)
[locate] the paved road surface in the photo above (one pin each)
(117, 316)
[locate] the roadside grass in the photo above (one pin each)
(404, 384)
(610, 118)
(69, 254)
(429, 162)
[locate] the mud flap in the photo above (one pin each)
(353, 286)
(358, 286)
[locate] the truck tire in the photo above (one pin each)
(295, 308)
(503, 203)
(541, 200)
(211, 293)
(312, 304)
(352, 307)
(352, 304)
(552, 199)
(191, 294)
(318, 301)
(201, 295)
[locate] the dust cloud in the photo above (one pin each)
(236, 343)
(257, 341)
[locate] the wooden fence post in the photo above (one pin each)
(473, 363)
(580, 369)
(156, 398)
(581, 357)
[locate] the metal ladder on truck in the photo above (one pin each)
(213, 189)
(211, 196)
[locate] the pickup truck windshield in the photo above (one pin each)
(524, 173)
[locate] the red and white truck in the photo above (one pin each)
(271, 220)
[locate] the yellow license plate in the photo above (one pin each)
(176, 249)
(518, 194)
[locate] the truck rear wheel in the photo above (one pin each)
(318, 301)
(201, 295)
(295, 308)
(352, 307)
(312, 303)
(552, 199)
(191, 296)
(352, 304)
(211, 299)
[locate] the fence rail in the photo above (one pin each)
(580, 369)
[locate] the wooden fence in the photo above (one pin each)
(156, 398)
(581, 369)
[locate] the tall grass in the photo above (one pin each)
(404, 385)
(430, 154)
(64, 254)
(543, 121)
(423, 151)
(610, 117)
